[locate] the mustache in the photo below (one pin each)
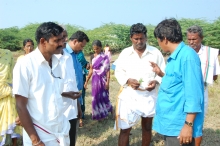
(59, 47)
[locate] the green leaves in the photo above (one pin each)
(141, 80)
(116, 35)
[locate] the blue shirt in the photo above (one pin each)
(181, 92)
(77, 66)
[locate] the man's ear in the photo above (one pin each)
(74, 41)
(131, 37)
(43, 42)
(202, 38)
(166, 41)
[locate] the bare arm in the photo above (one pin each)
(156, 69)
(25, 119)
(72, 95)
(88, 77)
(187, 131)
(108, 80)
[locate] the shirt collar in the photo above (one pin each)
(201, 49)
(69, 49)
(40, 58)
(148, 49)
(176, 51)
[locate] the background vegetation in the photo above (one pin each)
(116, 35)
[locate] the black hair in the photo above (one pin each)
(195, 29)
(80, 36)
(26, 41)
(46, 30)
(138, 28)
(169, 29)
(97, 43)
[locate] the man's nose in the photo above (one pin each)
(190, 41)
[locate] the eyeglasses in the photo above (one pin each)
(54, 75)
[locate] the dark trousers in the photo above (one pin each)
(173, 141)
(73, 131)
(83, 108)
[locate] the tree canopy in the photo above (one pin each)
(116, 35)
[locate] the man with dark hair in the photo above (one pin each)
(74, 46)
(37, 86)
(209, 62)
(180, 104)
(137, 99)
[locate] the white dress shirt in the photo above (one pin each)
(134, 104)
(213, 68)
(68, 74)
(33, 79)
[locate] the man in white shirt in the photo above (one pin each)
(133, 71)
(37, 85)
(209, 62)
(70, 91)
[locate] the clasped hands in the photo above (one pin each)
(135, 84)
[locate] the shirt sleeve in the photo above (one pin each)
(120, 72)
(21, 79)
(216, 65)
(193, 86)
(82, 60)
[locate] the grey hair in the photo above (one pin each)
(195, 29)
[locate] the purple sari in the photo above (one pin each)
(100, 96)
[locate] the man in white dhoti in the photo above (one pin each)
(209, 62)
(138, 97)
(37, 85)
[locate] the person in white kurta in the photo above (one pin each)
(70, 94)
(134, 73)
(37, 85)
(209, 62)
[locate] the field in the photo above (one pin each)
(102, 133)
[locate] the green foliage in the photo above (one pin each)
(116, 35)
(9, 38)
(28, 32)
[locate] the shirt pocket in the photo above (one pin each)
(171, 82)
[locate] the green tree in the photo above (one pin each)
(9, 38)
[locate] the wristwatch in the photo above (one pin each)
(189, 123)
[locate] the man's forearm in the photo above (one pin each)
(67, 95)
(190, 117)
(27, 123)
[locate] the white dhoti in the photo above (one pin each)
(134, 104)
(48, 137)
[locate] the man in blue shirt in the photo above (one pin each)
(180, 104)
(75, 45)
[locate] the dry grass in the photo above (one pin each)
(102, 133)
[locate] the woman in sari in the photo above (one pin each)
(8, 129)
(100, 72)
